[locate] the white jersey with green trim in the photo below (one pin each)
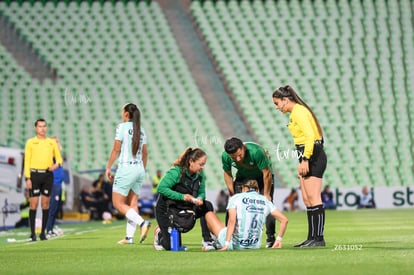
(124, 134)
(251, 211)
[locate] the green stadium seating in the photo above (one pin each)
(352, 61)
(339, 57)
(106, 54)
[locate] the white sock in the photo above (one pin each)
(133, 216)
(131, 227)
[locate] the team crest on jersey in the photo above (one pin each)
(244, 165)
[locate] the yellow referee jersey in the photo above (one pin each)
(303, 128)
(39, 154)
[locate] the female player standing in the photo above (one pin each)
(308, 138)
(131, 148)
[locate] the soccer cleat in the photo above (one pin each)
(270, 242)
(145, 227)
(208, 246)
(156, 244)
(313, 243)
(42, 237)
(32, 238)
(127, 240)
(304, 243)
(317, 243)
(51, 234)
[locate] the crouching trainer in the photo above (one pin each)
(181, 200)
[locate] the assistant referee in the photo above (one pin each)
(308, 138)
(39, 153)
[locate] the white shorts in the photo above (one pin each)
(129, 177)
(221, 239)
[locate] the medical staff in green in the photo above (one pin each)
(184, 186)
(252, 162)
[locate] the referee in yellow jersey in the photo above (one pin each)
(39, 153)
(308, 139)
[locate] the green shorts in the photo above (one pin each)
(129, 177)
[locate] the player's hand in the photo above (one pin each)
(109, 175)
(188, 198)
(277, 244)
(268, 197)
(198, 201)
(303, 168)
(53, 167)
(224, 248)
(29, 184)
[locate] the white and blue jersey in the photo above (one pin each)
(131, 173)
(124, 134)
(251, 212)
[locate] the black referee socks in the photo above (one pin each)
(32, 221)
(45, 217)
(310, 232)
(319, 222)
(316, 222)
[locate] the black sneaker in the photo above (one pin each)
(42, 237)
(317, 243)
(304, 243)
(270, 244)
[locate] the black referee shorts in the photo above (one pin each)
(42, 183)
(317, 162)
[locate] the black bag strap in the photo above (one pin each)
(192, 189)
(183, 188)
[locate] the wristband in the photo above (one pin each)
(278, 238)
(194, 200)
(226, 243)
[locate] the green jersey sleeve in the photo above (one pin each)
(226, 161)
(261, 159)
(170, 179)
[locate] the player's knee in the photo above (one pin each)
(209, 206)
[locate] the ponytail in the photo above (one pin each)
(184, 159)
(288, 92)
(135, 116)
(136, 135)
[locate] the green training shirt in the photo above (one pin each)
(172, 178)
(255, 160)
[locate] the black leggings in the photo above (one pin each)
(164, 222)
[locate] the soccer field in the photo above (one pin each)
(358, 242)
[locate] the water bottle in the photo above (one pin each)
(175, 240)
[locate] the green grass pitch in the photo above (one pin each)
(358, 242)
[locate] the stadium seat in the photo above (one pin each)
(96, 57)
(338, 60)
